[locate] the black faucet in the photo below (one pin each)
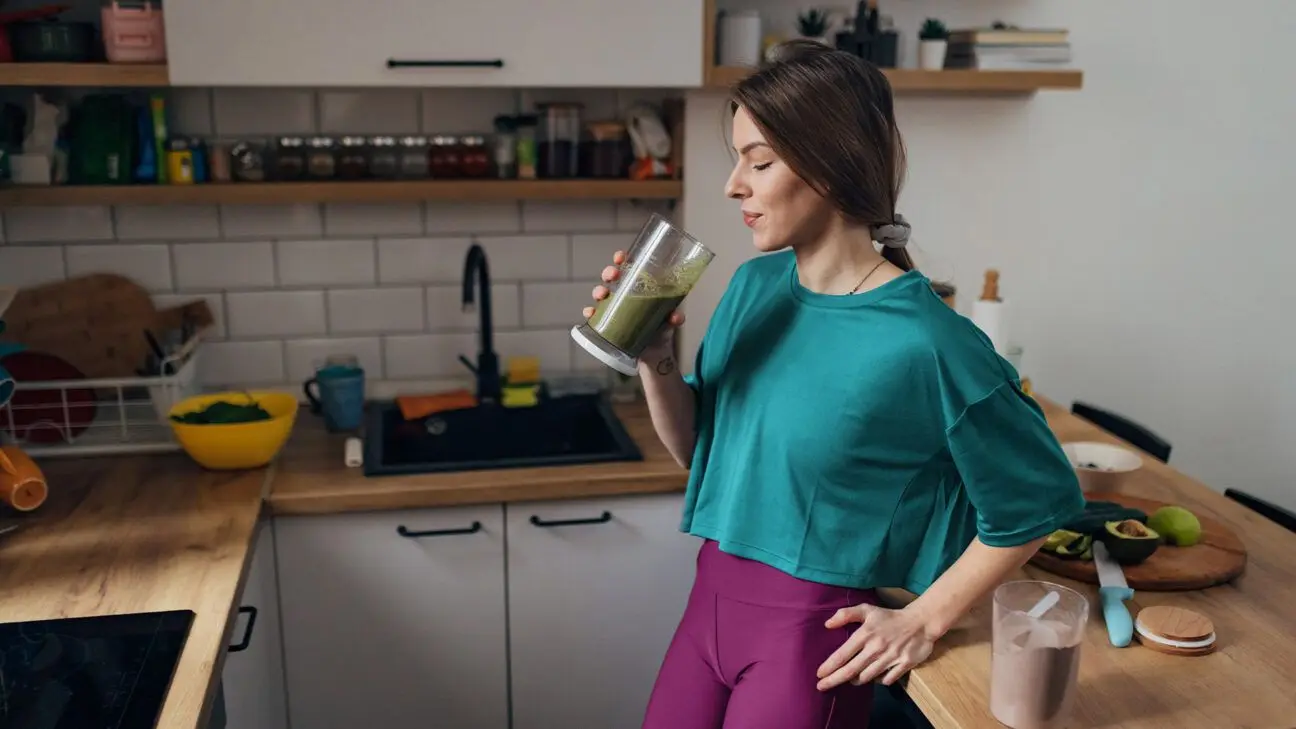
(487, 367)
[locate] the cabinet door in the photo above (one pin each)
(596, 588)
(619, 43)
(395, 619)
(254, 677)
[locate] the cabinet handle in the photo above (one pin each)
(242, 645)
(603, 518)
(404, 532)
(415, 63)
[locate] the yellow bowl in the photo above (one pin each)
(234, 446)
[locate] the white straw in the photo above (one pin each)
(1043, 605)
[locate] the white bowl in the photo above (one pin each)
(1101, 466)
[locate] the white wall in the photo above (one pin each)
(1142, 224)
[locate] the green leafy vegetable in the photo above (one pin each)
(225, 413)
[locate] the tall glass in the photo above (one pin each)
(660, 269)
(1036, 652)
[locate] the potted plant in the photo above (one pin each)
(813, 24)
(933, 41)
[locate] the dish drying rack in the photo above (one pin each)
(104, 416)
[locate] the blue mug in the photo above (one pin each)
(337, 391)
(7, 384)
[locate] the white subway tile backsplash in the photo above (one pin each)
(631, 215)
(388, 389)
(363, 219)
(228, 364)
(525, 257)
(593, 252)
(58, 224)
(421, 260)
(568, 216)
(167, 222)
(428, 355)
(470, 217)
(276, 313)
(251, 111)
(147, 264)
(627, 98)
(465, 111)
(271, 221)
(189, 111)
(370, 111)
(373, 311)
(554, 304)
(445, 308)
(215, 302)
(24, 266)
(304, 356)
(229, 265)
(326, 262)
(553, 347)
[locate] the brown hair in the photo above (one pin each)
(829, 116)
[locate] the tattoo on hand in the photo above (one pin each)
(666, 366)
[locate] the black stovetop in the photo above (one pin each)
(107, 672)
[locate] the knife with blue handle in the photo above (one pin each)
(1113, 591)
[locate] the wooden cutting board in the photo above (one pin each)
(1218, 558)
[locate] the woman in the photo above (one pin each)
(844, 429)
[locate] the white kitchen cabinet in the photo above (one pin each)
(616, 43)
(596, 589)
(253, 677)
(395, 618)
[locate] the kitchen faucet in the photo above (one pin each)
(487, 367)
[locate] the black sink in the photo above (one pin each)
(567, 430)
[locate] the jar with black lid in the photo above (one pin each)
(413, 157)
(384, 159)
(290, 158)
(353, 158)
(321, 158)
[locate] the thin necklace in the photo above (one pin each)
(866, 276)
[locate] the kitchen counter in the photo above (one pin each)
(1135, 687)
(310, 477)
(139, 534)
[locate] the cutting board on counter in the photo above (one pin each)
(1218, 558)
(94, 322)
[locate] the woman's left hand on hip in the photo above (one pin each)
(887, 644)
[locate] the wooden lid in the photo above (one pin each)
(1175, 623)
(990, 286)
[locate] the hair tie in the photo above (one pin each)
(892, 235)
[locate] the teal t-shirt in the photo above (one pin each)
(863, 440)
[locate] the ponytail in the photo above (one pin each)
(894, 236)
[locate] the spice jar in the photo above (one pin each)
(219, 160)
(444, 157)
(474, 159)
(526, 147)
(413, 157)
(505, 152)
(352, 158)
(248, 161)
(384, 161)
(321, 158)
(290, 158)
(606, 154)
(179, 162)
(558, 146)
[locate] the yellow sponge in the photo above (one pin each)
(523, 369)
(520, 396)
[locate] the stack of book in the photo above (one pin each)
(1008, 49)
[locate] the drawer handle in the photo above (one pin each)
(603, 518)
(404, 532)
(242, 645)
(415, 63)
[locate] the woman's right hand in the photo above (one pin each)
(662, 345)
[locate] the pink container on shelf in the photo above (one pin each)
(134, 33)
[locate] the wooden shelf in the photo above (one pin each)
(83, 74)
(248, 193)
(954, 81)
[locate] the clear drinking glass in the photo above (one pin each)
(660, 269)
(1036, 652)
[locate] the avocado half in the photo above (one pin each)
(1129, 541)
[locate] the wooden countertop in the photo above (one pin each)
(139, 534)
(310, 477)
(1134, 687)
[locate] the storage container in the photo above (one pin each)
(133, 33)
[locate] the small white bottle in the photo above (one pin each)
(989, 312)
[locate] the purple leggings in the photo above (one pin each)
(747, 649)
